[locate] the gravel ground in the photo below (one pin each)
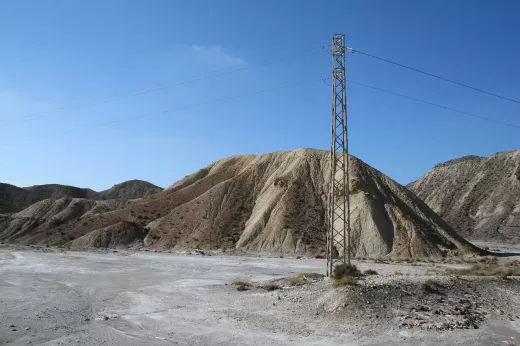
(53, 297)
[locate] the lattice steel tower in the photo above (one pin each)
(338, 233)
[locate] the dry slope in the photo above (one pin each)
(13, 198)
(478, 196)
(268, 203)
(130, 189)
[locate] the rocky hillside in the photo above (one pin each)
(13, 198)
(272, 203)
(478, 196)
(130, 189)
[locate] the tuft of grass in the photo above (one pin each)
(344, 281)
(430, 286)
(271, 287)
(508, 269)
(344, 270)
(242, 285)
(370, 272)
(295, 280)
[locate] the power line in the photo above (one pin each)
(188, 106)
(212, 74)
(432, 75)
(435, 104)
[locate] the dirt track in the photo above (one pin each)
(137, 298)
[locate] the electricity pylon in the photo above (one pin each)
(338, 233)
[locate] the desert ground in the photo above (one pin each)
(52, 296)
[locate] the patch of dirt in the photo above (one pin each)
(425, 303)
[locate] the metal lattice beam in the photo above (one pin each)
(338, 233)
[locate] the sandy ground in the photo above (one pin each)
(145, 298)
(503, 250)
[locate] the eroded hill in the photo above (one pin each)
(13, 198)
(478, 196)
(272, 203)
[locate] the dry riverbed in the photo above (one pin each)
(56, 297)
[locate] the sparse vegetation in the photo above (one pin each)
(508, 269)
(303, 278)
(470, 259)
(370, 272)
(312, 276)
(381, 260)
(344, 281)
(430, 286)
(295, 280)
(242, 285)
(319, 255)
(345, 274)
(344, 270)
(492, 260)
(271, 287)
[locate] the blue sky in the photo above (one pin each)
(59, 59)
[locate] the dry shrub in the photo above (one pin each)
(370, 272)
(453, 253)
(295, 280)
(508, 269)
(344, 270)
(312, 276)
(381, 260)
(430, 286)
(454, 260)
(271, 287)
(488, 260)
(344, 281)
(321, 253)
(303, 278)
(242, 285)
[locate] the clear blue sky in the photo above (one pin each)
(58, 56)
